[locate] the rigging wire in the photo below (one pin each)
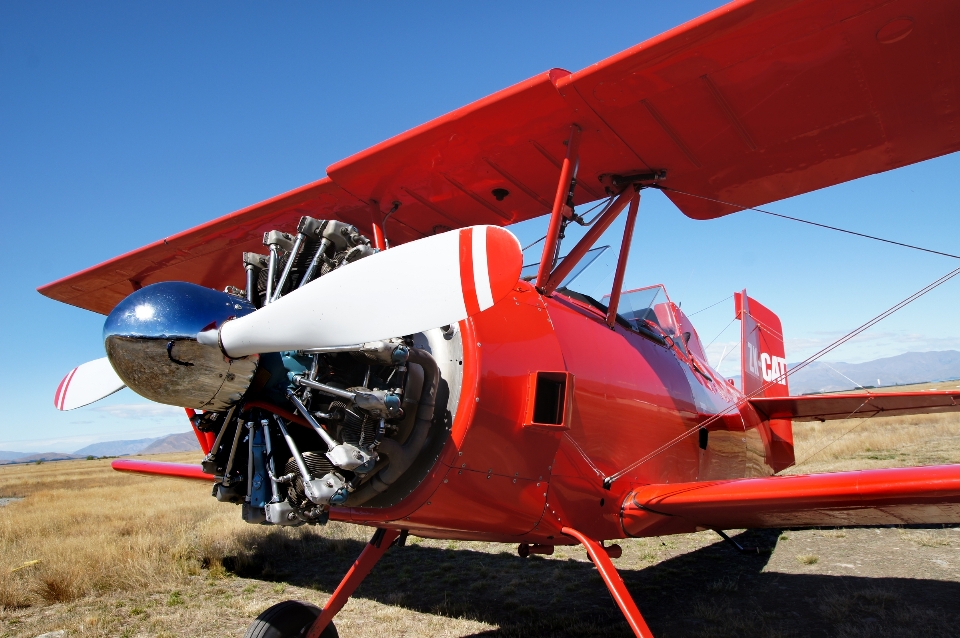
(836, 344)
(585, 224)
(710, 306)
(855, 426)
(805, 221)
(721, 332)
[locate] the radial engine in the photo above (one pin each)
(300, 431)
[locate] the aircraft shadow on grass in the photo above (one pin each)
(711, 591)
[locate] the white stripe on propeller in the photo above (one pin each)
(424, 284)
(87, 383)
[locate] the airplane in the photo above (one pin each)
(370, 348)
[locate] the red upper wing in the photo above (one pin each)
(910, 495)
(827, 407)
(750, 103)
(209, 254)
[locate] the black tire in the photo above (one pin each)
(289, 619)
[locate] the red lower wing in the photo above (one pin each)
(161, 468)
(912, 495)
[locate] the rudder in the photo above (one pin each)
(763, 370)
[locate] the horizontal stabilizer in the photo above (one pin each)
(828, 407)
(900, 496)
(87, 383)
(159, 468)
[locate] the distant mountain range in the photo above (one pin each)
(911, 367)
(182, 442)
(116, 448)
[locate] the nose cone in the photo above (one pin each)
(151, 341)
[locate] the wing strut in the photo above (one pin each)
(568, 181)
(598, 554)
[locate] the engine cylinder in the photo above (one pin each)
(151, 341)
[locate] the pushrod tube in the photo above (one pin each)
(327, 389)
(294, 452)
(622, 260)
(568, 173)
(251, 285)
(271, 469)
(251, 425)
(286, 269)
(312, 268)
(599, 227)
(313, 422)
(223, 429)
(271, 273)
(233, 453)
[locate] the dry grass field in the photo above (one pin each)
(92, 552)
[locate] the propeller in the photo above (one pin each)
(430, 282)
(151, 336)
(87, 383)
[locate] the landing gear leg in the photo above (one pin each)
(613, 581)
(376, 548)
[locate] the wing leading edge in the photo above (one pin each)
(900, 496)
(755, 101)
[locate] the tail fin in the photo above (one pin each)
(763, 368)
(762, 360)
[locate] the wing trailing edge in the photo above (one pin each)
(899, 496)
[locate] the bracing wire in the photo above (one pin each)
(855, 426)
(721, 332)
(589, 223)
(710, 306)
(805, 221)
(836, 344)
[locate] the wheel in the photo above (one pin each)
(289, 619)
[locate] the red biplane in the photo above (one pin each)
(431, 385)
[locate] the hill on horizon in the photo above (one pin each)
(116, 448)
(180, 442)
(910, 367)
(183, 442)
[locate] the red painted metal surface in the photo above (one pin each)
(376, 237)
(763, 371)
(618, 275)
(868, 497)
(376, 548)
(206, 439)
(587, 241)
(276, 409)
(568, 173)
(614, 583)
(750, 103)
(159, 468)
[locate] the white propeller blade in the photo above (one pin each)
(87, 383)
(431, 282)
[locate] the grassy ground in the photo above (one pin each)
(98, 553)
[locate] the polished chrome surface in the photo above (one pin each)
(150, 339)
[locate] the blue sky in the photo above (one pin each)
(121, 123)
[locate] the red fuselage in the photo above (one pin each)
(502, 478)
